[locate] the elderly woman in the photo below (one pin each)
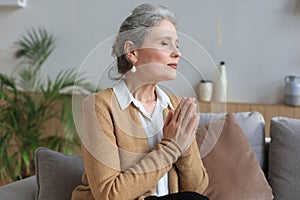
(139, 142)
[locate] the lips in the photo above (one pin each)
(173, 65)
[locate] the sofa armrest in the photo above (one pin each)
(24, 189)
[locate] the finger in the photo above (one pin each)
(177, 113)
(193, 100)
(168, 119)
(191, 110)
(183, 100)
(184, 109)
(188, 102)
(196, 123)
(193, 125)
(178, 109)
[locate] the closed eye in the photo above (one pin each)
(164, 43)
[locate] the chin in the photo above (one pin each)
(171, 77)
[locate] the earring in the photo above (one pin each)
(133, 69)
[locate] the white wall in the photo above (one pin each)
(261, 40)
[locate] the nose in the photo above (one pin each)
(175, 52)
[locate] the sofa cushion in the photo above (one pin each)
(57, 174)
(233, 170)
(19, 190)
(253, 126)
(284, 158)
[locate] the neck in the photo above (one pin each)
(144, 92)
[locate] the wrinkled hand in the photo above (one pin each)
(181, 125)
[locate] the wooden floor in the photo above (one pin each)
(267, 110)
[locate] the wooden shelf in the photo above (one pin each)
(267, 110)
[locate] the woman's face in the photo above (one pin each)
(157, 58)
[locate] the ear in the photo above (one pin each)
(129, 50)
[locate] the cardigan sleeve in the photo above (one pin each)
(102, 163)
(191, 172)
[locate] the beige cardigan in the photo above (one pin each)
(119, 165)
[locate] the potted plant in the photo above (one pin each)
(27, 104)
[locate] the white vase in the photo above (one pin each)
(205, 90)
(220, 89)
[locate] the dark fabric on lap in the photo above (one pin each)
(179, 196)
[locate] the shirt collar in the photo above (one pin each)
(164, 98)
(125, 98)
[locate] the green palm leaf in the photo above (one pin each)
(29, 103)
(34, 48)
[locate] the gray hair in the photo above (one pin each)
(134, 29)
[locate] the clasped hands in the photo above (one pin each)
(180, 126)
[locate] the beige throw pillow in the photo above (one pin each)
(233, 170)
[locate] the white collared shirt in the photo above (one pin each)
(152, 124)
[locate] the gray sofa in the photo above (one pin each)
(279, 158)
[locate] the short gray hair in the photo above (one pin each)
(134, 29)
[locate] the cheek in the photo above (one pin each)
(160, 55)
(161, 59)
(153, 56)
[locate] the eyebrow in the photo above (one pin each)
(169, 38)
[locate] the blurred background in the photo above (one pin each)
(258, 40)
